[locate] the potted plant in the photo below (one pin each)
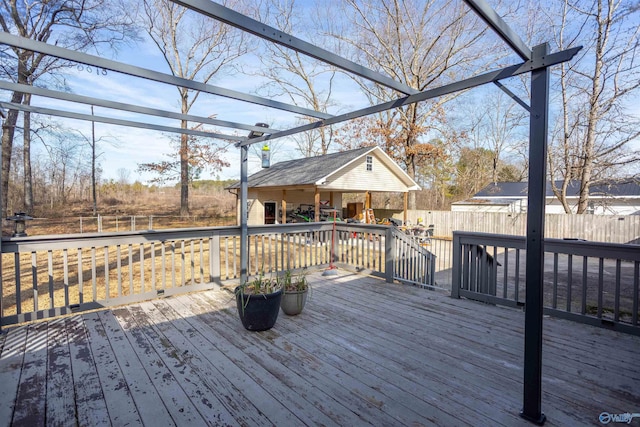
(258, 303)
(295, 290)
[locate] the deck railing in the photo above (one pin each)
(46, 276)
(590, 282)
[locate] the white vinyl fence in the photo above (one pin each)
(597, 228)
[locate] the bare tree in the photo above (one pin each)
(74, 24)
(201, 155)
(595, 129)
(194, 47)
(422, 45)
(306, 82)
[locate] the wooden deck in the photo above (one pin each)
(363, 352)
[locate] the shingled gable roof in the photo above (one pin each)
(316, 170)
(501, 190)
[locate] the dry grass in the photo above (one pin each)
(63, 278)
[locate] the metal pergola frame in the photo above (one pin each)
(536, 61)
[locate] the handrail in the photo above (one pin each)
(414, 263)
(591, 282)
(46, 276)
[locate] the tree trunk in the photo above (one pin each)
(184, 172)
(8, 130)
(594, 115)
(26, 141)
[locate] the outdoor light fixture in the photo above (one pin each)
(19, 219)
(255, 133)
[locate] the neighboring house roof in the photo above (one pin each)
(621, 189)
(480, 202)
(312, 171)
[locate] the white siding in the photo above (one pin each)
(357, 178)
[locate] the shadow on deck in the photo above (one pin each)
(363, 352)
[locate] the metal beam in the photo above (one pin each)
(257, 28)
(495, 21)
(534, 299)
(512, 95)
(514, 70)
(65, 96)
(119, 122)
(96, 61)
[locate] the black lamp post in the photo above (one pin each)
(19, 219)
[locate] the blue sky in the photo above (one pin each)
(132, 146)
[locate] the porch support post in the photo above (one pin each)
(283, 206)
(534, 302)
(331, 201)
(317, 205)
(406, 206)
(367, 200)
(244, 231)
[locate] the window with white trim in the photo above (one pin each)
(369, 163)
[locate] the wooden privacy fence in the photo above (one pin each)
(597, 228)
(46, 276)
(590, 282)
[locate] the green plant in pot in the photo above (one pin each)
(295, 292)
(258, 303)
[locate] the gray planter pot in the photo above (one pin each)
(293, 302)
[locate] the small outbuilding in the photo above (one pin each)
(309, 187)
(613, 197)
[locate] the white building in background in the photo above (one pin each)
(611, 198)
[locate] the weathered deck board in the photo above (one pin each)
(11, 358)
(363, 352)
(31, 397)
(60, 407)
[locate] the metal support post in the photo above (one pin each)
(244, 231)
(538, 131)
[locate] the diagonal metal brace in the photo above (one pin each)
(513, 96)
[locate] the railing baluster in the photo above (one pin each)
(106, 272)
(34, 278)
(119, 269)
(517, 284)
(192, 263)
(201, 250)
(94, 274)
(163, 265)
(569, 281)
(600, 287)
(130, 252)
(65, 275)
(554, 303)
(18, 267)
(617, 294)
(505, 282)
(141, 264)
(153, 266)
(173, 264)
(636, 296)
(50, 271)
(584, 285)
(80, 278)
(235, 258)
